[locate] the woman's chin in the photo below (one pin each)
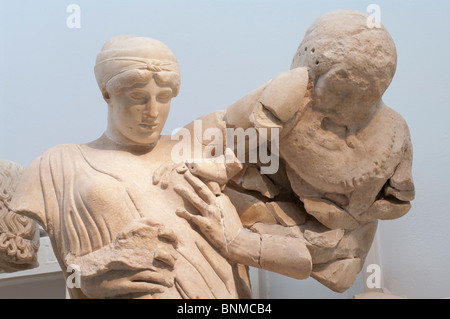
(144, 139)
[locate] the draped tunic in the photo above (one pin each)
(84, 197)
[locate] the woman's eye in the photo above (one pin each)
(137, 96)
(164, 97)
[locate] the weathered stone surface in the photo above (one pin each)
(241, 201)
(296, 263)
(251, 209)
(387, 209)
(257, 213)
(329, 214)
(277, 229)
(255, 181)
(327, 239)
(287, 213)
(337, 275)
(278, 98)
(237, 116)
(404, 196)
(261, 117)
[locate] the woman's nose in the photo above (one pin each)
(151, 109)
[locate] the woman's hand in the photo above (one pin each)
(140, 261)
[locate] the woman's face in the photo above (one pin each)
(138, 113)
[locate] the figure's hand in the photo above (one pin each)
(127, 283)
(140, 261)
(162, 173)
(218, 220)
(145, 243)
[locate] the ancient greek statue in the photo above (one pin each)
(140, 224)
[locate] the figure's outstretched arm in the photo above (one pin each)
(273, 104)
(220, 223)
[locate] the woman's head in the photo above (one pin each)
(138, 78)
(127, 60)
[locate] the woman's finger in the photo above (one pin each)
(160, 172)
(168, 234)
(165, 178)
(150, 276)
(162, 255)
(115, 283)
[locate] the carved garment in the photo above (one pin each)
(84, 197)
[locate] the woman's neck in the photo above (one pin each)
(107, 143)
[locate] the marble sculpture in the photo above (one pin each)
(139, 224)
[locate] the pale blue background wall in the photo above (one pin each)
(48, 95)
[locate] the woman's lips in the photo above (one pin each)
(148, 126)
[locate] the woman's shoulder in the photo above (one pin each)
(61, 149)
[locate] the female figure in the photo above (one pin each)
(98, 202)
